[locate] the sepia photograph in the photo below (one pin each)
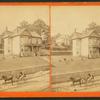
(75, 57)
(24, 48)
(49, 49)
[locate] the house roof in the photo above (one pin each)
(25, 32)
(6, 34)
(88, 33)
(21, 32)
(34, 34)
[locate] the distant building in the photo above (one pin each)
(62, 41)
(21, 42)
(86, 44)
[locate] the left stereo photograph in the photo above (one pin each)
(24, 48)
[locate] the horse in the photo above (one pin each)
(76, 80)
(65, 59)
(7, 78)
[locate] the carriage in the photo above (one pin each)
(15, 75)
(82, 80)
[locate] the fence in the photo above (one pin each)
(61, 53)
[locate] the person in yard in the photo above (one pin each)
(64, 59)
(59, 60)
(35, 52)
(71, 59)
(22, 52)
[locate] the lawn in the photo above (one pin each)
(21, 62)
(76, 65)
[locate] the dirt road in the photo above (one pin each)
(35, 82)
(68, 87)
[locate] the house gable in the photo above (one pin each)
(25, 33)
(94, 34)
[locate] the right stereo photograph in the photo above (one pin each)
(75, 48)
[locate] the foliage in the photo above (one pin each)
(24, 24)
(93, 26)
(38, 26)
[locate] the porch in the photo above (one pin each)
(30, 50)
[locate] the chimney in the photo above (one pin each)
(6, 28)
(75, 30)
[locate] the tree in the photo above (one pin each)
(24, 24)
(92, 25)
(41, 28)
(55, 38)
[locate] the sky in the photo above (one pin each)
(64, 19)
(11, 16)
